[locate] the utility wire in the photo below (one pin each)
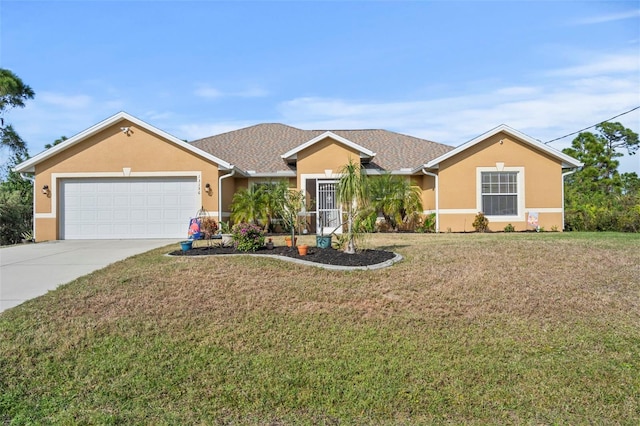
(586, 128)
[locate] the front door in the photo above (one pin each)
(328, 210)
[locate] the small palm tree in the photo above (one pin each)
(275, 197)
(352, 193)
(396, 198)
(248, 205)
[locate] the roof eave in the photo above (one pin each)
(28, 166)
(566, 159)
(364, 152)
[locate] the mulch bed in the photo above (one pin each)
(328, 256)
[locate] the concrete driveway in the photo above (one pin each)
(31, 270)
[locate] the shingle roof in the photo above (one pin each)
(259, 147)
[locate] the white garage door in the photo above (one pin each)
(117, 208)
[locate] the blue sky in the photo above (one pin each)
(444, 71)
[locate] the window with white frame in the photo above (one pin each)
(499, 193)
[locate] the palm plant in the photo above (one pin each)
(352, 193)
(396, 198)
(248, 205)
(275, 197)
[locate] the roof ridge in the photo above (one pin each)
(243, 129)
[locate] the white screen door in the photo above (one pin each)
(328, 210)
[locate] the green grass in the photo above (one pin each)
(469, 329)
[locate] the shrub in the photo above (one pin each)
(247, 237)
(481, 223)
(428, 223)
(509, 228)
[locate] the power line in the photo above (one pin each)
(586, 128)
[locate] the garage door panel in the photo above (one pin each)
(127, 207)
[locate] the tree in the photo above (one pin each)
(56, 142)
(13, 94)
(598, 197)
(10, 139)
(291, 205)
(396, 198)
(598, 152)
(352, 194)
(16, 203)
(248, 205)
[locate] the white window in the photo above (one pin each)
(501, 193)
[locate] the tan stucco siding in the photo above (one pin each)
(326, 154)
(428, 186)
(458, 186)
(113, 153)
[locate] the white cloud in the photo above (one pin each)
(602, 65)
(65, 101)
(208, 92)
(608, 18)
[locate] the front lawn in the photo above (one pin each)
(468, 329)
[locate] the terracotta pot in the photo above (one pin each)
(302, 249)
(288, 241)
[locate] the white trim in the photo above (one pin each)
(544, 210)
(497, 218)
(437, 196)
(567, 161)
(56, 177)
(364, 152)
(458, 211)
(520, 217)
(29, 165)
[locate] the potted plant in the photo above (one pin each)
(302, 249)
(224, 230)
(322, 241)
(287, 241)
(292, 206)
(186, 245)
(269, 244)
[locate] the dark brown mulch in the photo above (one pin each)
(326, 256)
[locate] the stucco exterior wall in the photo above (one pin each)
(112, 153)
(324, 155)
(459, 189)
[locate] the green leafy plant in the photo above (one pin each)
(509, 228)
(224, 228)
(428, 223)
(247, 237)
(480, 223)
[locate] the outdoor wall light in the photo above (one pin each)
(207, 187)
(45, 190)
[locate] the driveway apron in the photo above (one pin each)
(31, 270)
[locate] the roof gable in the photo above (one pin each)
(364, 152)
(29, 165)
(260, 148)
(567, 161)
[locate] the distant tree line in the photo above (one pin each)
(16, 194)
(598, 197)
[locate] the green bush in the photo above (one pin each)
(428, 223)
(16, 218)
(509, 228)
(480, 223)
(247, 237)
